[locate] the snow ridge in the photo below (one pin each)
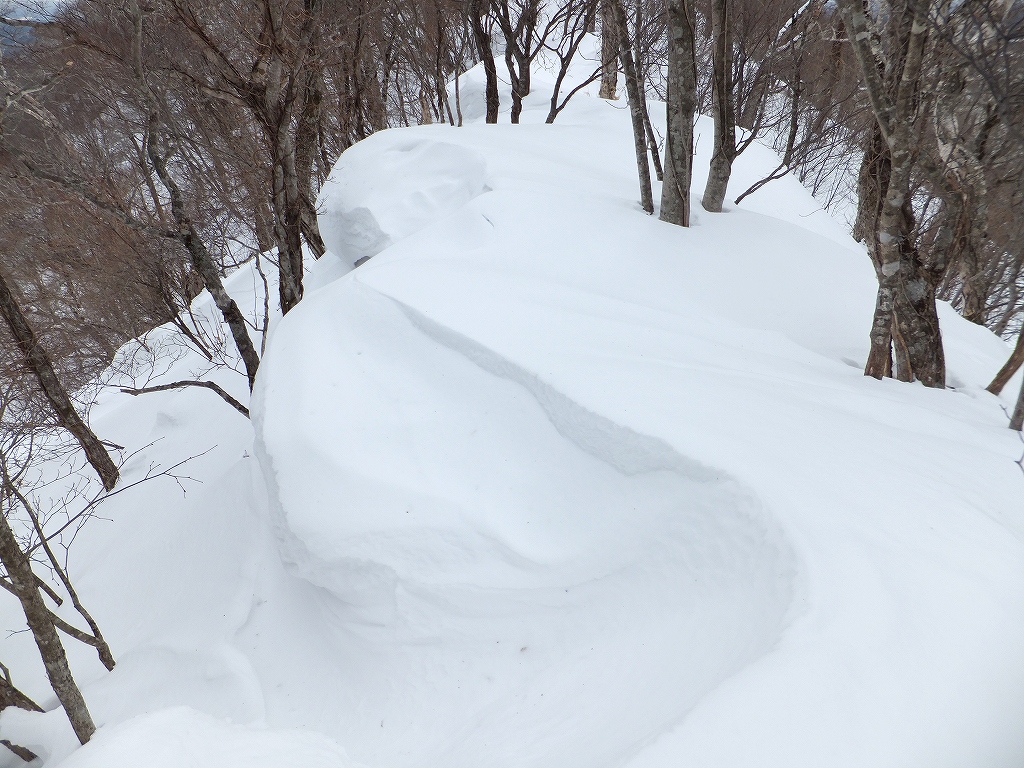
(628, 451)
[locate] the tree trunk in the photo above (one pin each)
(636, 101)
(723, 108)
(879, 363)
(1017, 419)
(1009, 368)
(906, 290)
(287, 207)
(609, 52)
(652, 140)
(899, 366)
(519, 75)
(25, 754)
(518, 39)
(918, 322)
(641, 84)
(307, 132)
(477, 11)
(19, 569)
(203, 263)
(872, 184)
(975, 281)
(518, 90)
(38, 361)
(680, 107)
(263, 226)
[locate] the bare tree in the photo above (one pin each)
(161, 144)
(24, 432)
(38, 362)
(480, 21)
(34, 354)
(518, 21)
(38, 616)
(266, 75)
(565, 31)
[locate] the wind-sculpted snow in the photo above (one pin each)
(628, 451)
(180, 737)
(550, 483)
(463, 514)
(391, 185)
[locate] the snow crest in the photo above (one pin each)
(628, 451)
(378, 195)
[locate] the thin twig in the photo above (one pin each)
(102, 496)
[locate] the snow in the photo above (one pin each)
(374, 199)
(179, 737)
(547, 482)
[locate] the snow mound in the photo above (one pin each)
(391, 185)
(184, 738)
(574, 487)
(450, 498)
(551, 484)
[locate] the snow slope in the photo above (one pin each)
(546, 482)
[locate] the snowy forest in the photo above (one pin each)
(512, 383)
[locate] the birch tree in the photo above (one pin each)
(723, 107)
(890, 54)
(609, 52)
(680, 108)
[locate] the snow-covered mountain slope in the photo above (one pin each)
(547, 482)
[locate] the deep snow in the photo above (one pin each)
(546, 482)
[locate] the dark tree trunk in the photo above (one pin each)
(518, 34)
(652, 140)
(636, 103)
(519, 77)
(307, 133)
(723, 108)
(975, 280)
(38, 362)
(1009, 368)
(638, 63)
(477, 12)
(203, 263)
(680, 107)
(12, 697)
(19, 569)
(1017, 419)
(199, 256)
(287, 205)
(917, 321)
(264, 226)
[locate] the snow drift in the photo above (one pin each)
(547, 482)
(374, 199)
